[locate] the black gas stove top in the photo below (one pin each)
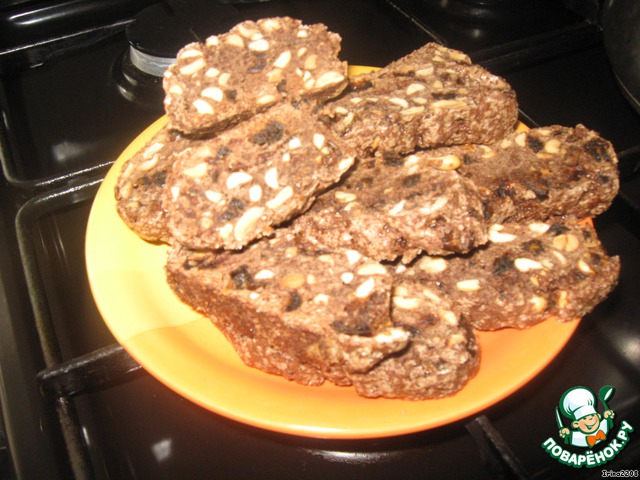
(73, 96)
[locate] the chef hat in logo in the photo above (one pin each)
(577, 403)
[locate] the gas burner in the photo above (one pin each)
(149, 64)
(138, 82)
(621, 38)
(156, 34)
(474, 25)
(493, 13)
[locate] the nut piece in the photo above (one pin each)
(189, 53)
(271, 178)
(472, 285)
(487, 152)
(193, 67)
(432, 264)
(446, 162)
(414, 87)
(224, 78)
(425, 72)
(552, 146)
(321, 299)
(412, 111)
(329, 78)
(153, 149)
(266, 99)
(401, 102)
(247, 222)
(406, 303)
(526, 264)
(539, 227)
(347, 277)
(365, 289)
(255, 193)
(353, 256)
(264, 275)
(148, 164)
(563, 299)
(497, 236)
(449, 317)
(318, 140)
(345, 196)
(448, 104)
(260, 45)
(539, 303)
(371, 269)
(238, 178)
(311, 62)
(197, 171)
(294, 143)
(235, 40)
(397, 208)
(293, 280)
(283, 59)
(566, 242)
(202, 106)
(584, 267)
(212, 196)
(214, 93)
(281, 197)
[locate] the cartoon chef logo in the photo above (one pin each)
(587, 426)
(580, 425)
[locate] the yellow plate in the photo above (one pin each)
(188, 354)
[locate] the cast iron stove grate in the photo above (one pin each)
(63, 381)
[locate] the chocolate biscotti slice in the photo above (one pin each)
(398, 207)
(253, 66)
(442, 356)
(547, 171)
(225, 191)
(327, 316)
(434, 96)
(524, 275)
(140, 185)
(309, 317)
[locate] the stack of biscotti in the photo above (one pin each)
(254, 66)
(357, 230)
(444, 200)
(432, 97)
(238, 107)
(336, 316)
(228, 190)
(141, 183)
(527, 273)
